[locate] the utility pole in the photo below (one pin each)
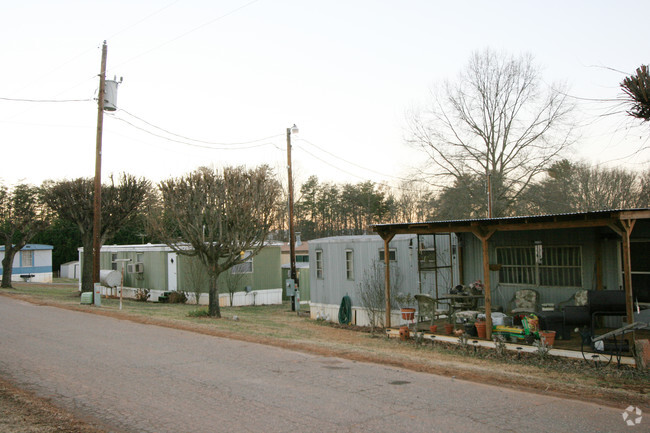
(292, 234)
(97, 217)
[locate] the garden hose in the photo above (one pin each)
(345, 311)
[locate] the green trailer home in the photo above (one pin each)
(160, 269)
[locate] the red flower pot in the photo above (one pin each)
(408, 313)
(480, 329)
(548, 336)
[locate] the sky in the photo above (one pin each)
(228, 77)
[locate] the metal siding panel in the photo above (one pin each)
(267, 270)
(585, 238)
(612, 272)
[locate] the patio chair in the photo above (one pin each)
(427, 311)
(524, 301)
(578, 299)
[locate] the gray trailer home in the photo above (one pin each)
(340, 264)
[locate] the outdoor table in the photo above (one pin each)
(461, 302)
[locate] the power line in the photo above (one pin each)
(202, 146)
(401, 188)
(182, 35)
(45, 100)
(143, 19)
(193, 139)
(352, 163)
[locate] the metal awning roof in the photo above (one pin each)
(601, 218)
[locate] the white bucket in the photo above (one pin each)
(497, 318)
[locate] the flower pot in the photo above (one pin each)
(404, 333)
(449, 328)
(408, 313)
(433, 329)
(548, 337)
(480, 329)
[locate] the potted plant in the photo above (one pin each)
(449, 326)
(480, 328)
(476, 288)
(470, 328)
(405, 302)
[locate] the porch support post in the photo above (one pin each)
(387, 240)
(484, 237)
(628, 226)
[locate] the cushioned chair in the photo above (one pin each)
(524, 301)
(427, 311)
(578, 299)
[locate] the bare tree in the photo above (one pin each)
(216, 216)
(72, 200)
(21, 217)
(495, 120)
(372, 291)
(233, 282)
(196, 278)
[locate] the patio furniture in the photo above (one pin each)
(578, 299)
(524, 301)
(605, 303)
(461, 302)
(427, 311)
(465, 316)
(554, 321)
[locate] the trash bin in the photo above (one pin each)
(87, 298)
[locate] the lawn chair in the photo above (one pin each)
(524, 301)
(578, 299)
(427, 312)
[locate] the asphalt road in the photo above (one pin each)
(138, 378)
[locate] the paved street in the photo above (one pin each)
(140, 378)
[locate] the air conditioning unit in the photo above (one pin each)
(135, 268)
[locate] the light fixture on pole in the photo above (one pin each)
(292, 234)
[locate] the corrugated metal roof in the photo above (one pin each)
(32, 247)
(357, 238)
(524, 218)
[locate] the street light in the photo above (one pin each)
(292, 234)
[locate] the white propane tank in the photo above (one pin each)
(110, 278)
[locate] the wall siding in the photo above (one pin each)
(588, 239)
(334, 284)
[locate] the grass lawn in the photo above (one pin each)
(277, 325)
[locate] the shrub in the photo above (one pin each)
(178, 297)
(199, 313)
(142, 295)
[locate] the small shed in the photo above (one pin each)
(32, 263)
(70, 270)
